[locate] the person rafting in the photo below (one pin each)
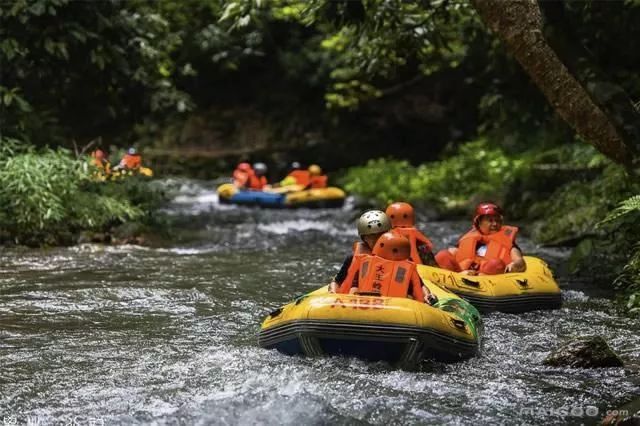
(489, 248)
(131, 161)
(297, 176)
(371, 225)
(387, 271)
(403, 221)
(316, 178)
(258, 180)
(242, 174)
(100, 161)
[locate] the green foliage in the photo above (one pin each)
(78, 68)
(478, 170)
(627, 207)
(47, 196)
(573, 210)
(628, 281)
(374, 43)
(623, 220)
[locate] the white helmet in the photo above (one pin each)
(373, 222)
(260, 168)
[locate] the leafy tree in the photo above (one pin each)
(73, 69)
(520, 25)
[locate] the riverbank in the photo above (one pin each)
(50, 198)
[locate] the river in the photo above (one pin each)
(97, 334)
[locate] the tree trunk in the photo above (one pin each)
(519, 24)
(560, 33)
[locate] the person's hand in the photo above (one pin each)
(333, 287)
(469, 272)
(514, 267)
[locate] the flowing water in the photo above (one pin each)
(98, 334)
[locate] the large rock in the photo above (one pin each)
(584, 352)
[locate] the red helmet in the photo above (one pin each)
(401, 214)
(98, 153)
(245, 167)
(391, 246)
(486, 209)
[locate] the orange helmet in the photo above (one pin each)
(401, 214)
(486, 209)
(391, 246)
(245, 167)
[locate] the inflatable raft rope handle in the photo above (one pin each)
(300, 298)
(471, 282)
(458, 323)
(275, 313)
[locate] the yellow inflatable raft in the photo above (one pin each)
(326, 197)
(397, 330)
(514, 292)
(282, 197)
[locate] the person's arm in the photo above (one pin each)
(426, 255)
(341, 275)
(517, 261)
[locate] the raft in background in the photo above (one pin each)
(375, 328)
(100, 175)
(515, 292)
(283, 197)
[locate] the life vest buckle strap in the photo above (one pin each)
(368, 293)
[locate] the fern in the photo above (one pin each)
(630, 205)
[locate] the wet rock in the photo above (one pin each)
(94, 237)
(129, 233)
(584, 352)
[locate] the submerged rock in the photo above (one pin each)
(584, 352)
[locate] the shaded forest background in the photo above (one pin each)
(441, 103)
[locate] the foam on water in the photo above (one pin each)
(302, 225)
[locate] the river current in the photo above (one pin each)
(96, 334)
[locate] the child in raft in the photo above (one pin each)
(489, 248)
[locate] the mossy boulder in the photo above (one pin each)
(584, 352)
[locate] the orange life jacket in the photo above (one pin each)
(240, 178)
(360, 250)
(319, 181)
(302, 177)
(100, 163)
(385, 277)
(415, 237)
(256, 182)
(131, 161)
(499, 245)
